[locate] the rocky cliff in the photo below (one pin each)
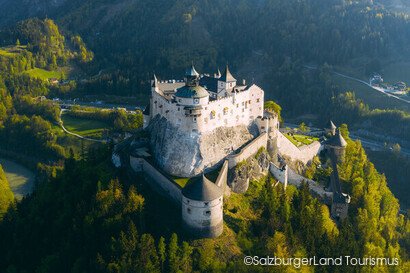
(188, 154)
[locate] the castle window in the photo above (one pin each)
(226, 110)
(237, 105)
(207, 213)
(206, 203)
(178, 108)
(258, 100)
(188, 210)
(194, 120)
(196, 101)
(212, 116)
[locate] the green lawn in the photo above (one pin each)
(300, 140)
(85, 127)
(182, 181)
(45, 74)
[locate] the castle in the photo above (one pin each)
(203, 123)
(200, 104)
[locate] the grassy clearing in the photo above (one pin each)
(43, 74)
(20, 178)
(85, 127)
(182, 181)
(11, 51)
(300, 140)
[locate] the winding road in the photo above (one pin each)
(365, 83)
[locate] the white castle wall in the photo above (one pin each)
(249, 150)
(165, 186)
(304, 153)
(241, 108)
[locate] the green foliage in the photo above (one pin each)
(274, 107)
(119, 119)
(6, 195)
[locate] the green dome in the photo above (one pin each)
(195, 92)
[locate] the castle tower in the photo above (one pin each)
(202, 208)
(330, 128)
(336, 145)
(226, 83)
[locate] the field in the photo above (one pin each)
(45, 74)
(300, 140)
(11, 51)
(392, 71)
(85, 127)
(182, 181)
(21, 179)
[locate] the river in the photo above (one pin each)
(20, 178)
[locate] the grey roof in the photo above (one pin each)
(195, 92)
(146, 110)
(191, 72)
(201, 189)
(227, 76)
(337, 140)
(210, 83)
(330, 125)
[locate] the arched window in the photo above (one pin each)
(213, 114)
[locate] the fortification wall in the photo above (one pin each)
(296, 179)
(280, 174)
(249, 150)
(158, 181)
(304, 153)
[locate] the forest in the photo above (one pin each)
(95, 218)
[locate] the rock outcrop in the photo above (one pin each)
(187, 154)
(252, 168)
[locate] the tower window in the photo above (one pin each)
(188, 210)
(206, 203)
(196, 101)
(207, 213)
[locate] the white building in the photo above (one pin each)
(202, 103)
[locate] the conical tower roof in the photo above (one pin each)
(155, 81)
(227, 76)
(202, 189)
(330, 125)
(191, 72)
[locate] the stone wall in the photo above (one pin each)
(158, 181)
(280, 174)
(249, 150)
(303, 154)
(296, 179)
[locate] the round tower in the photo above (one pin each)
(202, 208)
(337, 146)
